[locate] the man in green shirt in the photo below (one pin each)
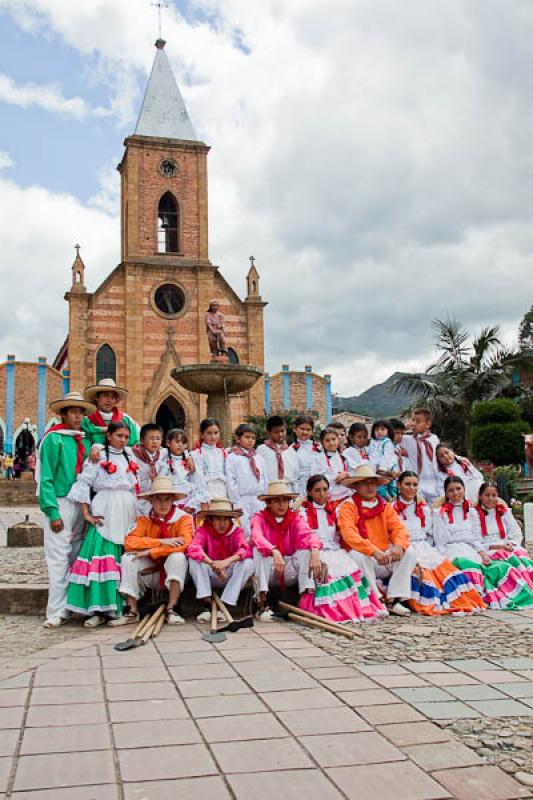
(106, 396)
(60, 459)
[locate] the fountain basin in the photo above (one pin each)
(217, 378)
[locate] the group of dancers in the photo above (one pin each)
(364, 526)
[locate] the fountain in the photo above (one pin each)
(219, 379)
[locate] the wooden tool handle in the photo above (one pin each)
(148, 631)
(213, 615)
(138, 630)
(222, 607)
(309, 615)
(158, 625)
(323, 626)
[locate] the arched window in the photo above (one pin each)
(106, 363)
(167, 224)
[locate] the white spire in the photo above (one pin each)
(163, 113)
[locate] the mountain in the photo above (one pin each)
(378, 401)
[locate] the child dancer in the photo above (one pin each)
(378, 540)
(343, 595)
(402, 456)
(150, 458)
(508, 578)
(245, 475)
(155, 552)
(382, 456)
(285, 549)
(450, 464)
(281, 460)
(331, 463)
(60, 459)
(456, 532)
(421, 450)
(437, 587)
(93, 588)
(219, 556)
(338, 426)
(210, 458)
(180, 466)
(106, 395)
(357, 451)
(304, 447)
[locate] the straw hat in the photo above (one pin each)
(71, 400)
(104, 385)
(163, 485)
(220, 507)
(278, 489)
(364, 472)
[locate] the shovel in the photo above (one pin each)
(214, 636)
(233, 624)
(142, 632)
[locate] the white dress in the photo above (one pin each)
(329, 465)
(459, 538)
(291, 466)
(512, 530)
(210, 461)
(421, 536)
(471, 477)
(244, 487)
(381, 455)
(332, 553)
(355, 456)
(114, 493)
(183, 480)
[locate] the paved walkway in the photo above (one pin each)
(265, 714)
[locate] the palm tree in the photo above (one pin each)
(464, 373)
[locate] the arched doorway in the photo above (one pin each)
(170, 414)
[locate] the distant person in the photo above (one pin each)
(402, 456)
(8, 464)
(30, 463)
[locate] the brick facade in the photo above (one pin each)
(290, 390)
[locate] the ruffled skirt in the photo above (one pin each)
(95, 577)
(346, 595)
(439, 587)
(508, 579)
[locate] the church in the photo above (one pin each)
(148, 315)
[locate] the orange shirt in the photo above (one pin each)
(383, 530)
(144, 537)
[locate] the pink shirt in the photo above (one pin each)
(298, 535)
(208, 543)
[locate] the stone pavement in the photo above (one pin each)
(264, 713)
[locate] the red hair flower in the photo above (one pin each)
(109, 467)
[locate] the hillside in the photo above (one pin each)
(378, 401)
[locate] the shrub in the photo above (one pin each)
(495, 411)
(501, 443)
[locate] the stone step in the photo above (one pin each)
(18, 493)
(23, 598)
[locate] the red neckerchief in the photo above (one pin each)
(499, 512)
(278, 449)
(144, 456)
(97, 419)
(312, 515)
(315, 448)
(400, 508)
(250, 455)
(162, 533)
(448, 508)
(402, 453)
(367, 513)
(223, 538)
(422, 439)
(363, 452)
(80, 454)
(465, 465)
(281, 528)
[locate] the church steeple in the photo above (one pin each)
(163, 113)
(78, 272)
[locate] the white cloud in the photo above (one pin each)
(377, 163)
(47, 97)
(5, 160)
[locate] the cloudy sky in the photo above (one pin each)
(374, 155)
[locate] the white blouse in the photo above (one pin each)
(95, 477)
(185, 480)
(470, 475)
(513, 532)
(330, 465)
(382, 456)
(327, 533)
(413, 523)
(355, 456)
(460, 531)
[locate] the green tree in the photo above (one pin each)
(498, 432)
(465, 372)
(525, 331)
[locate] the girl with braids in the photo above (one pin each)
(210, 458)
(437, 586)
(180, 466)
(448, 463)
(112, 483)
(508, 578)
(343, 594)
(331, 463)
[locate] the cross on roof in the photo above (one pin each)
(252, 261)
(77, 248)
(160, 6)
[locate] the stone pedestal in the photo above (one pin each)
(25, 534)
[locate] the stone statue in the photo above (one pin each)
(214, 324)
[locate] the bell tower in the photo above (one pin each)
(164, 176)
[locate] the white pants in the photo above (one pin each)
(133, 584)
(399, 571)
(61, 551)
(296, 569)
(204, 578)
